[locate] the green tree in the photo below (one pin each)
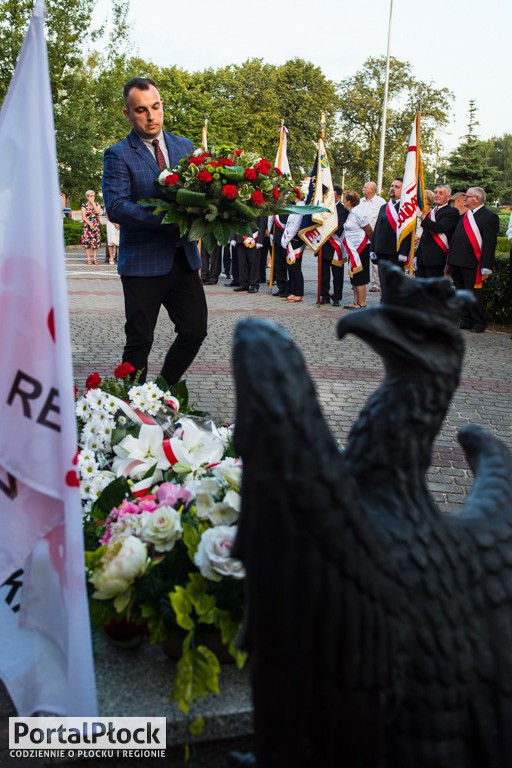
(468, 164)
(357, 137)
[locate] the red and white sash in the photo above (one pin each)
(338, 259)
(392, 215)
(292, 254)
(475, 238)
(278, 223)
(353, 252)
(440, 237)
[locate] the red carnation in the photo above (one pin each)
(123, 370)
(196, 160)
(298, 193)
(275, 194)
(213, 163)
(225, 161)
(257, 197)
(172, 179)
(204, 175)
(251, 174)
(229, 191)
(238, 152)
(93, 381)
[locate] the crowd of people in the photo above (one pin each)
(456, 234)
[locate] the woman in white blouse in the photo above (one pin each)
(356, 246)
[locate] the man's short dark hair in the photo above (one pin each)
(142, 83)
(337, 188)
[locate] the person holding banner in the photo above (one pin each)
(471, 255)
(357, 233)
(437, 228)
(294, 249)
(332, 256)
(384, 242)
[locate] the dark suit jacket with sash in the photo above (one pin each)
(384, 237)
(430, 252)
(328, 252)
(461, 253)
(146, 246)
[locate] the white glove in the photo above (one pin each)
(259, 245)
(232, 242)
(402, 258)
(486, 271)
(415, 264)
(373, 256)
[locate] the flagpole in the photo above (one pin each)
(384, 108)
(204, 146)
(319, 255)
(273, 250)
(413, 233)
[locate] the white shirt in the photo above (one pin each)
(292, 227)
(371, 208)
(163, 146)
(509, 228)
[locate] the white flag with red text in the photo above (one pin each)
(411, 199)
(45, 654)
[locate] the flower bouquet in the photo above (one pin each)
(212, 195)
(161, 498)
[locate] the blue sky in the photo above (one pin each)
(461, 44)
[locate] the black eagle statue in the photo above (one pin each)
(379, 629)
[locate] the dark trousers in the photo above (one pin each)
(296, 278)
(263, 259)
(280, 265)
(434, 270)
(392, 257)
(472, 316)
(226, 260)
(182, 294)
(248, 266)
(337, 279)
(210, 264)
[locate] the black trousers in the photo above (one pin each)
(329, 268)
(280, 265)
(248, 265)
(432, 270)
(210, 264)
(181, 293)
(296, 278)
(464, 279)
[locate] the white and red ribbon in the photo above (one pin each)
(392, 215)
(475, 238)
(353, 254)
(292, 254)
(440, 237)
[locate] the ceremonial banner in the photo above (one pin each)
(45, 653)
(320, 226)
(413, 192)
(281, 156)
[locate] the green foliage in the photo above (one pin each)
(498, 292)
(355, 141)
(72, 232)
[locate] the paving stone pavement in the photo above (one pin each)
(345, 372)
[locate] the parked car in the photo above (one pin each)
(67, 213)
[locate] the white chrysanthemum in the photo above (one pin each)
(96, 399)
(99, 482)
(147, 397)
(86, 488)
(110, 403)
(105, 431)
(85, 456)
(91, 437)
(83, 409)
(88, 468)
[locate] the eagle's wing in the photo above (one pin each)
(323, 597)
(485, 525)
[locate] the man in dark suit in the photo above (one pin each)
(157, 267)
(437, 225)
(383, 245)
(332, 255)
(471, 255)
(248, 252)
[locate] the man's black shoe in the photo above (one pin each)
(253, 289)
(336, 302)
(477, 330)
(211, 282)
(323, 300)
(232, 284)
(282, 294)
(240, 288)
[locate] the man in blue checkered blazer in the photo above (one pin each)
(157, 268)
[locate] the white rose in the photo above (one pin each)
(223, 513)
(161, 528)
(229, 470)
(163, 176)
(119, 568)
(213, 556)
(204, 491)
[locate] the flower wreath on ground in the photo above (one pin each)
(160, 491)
(213, 195)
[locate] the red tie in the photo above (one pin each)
(159, 155)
